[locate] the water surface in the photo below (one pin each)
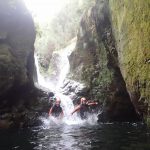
(81, 136)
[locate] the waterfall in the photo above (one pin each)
(64, 66)
(64, 63)
(66, 102)
(41, 82)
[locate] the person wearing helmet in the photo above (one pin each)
(56, 110)
(83, 108)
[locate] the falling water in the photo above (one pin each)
(66, 101)
(41, 82)
(63, 66)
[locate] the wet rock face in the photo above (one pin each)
(95, 62)
(24, 108)
(132, 29)
(75, 90)
(17, 37)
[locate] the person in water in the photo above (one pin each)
(56, 110)
(83, 107)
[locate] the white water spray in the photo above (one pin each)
(66, 102)
(64, 67)
(64, 64)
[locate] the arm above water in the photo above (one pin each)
(50, 111)
(92, 103)
(76, 109)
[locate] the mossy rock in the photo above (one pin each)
(130, 20)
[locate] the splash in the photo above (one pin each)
(66, 101)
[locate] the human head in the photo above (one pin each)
(58, 101)
(83, 100)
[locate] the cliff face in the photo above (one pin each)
(89, 60)
(113, 50)
(17, 37)
(131, 27)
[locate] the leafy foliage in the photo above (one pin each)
(57, 33)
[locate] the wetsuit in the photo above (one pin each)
(84, 108)
(56, 111)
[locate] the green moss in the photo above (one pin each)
(96, 74)
(131, 25)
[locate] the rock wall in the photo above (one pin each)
(96, 62)
(17, 37)
(131, 27)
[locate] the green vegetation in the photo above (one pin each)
(97, 76)
(91, 59)
(131, 24)
(57, 33)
